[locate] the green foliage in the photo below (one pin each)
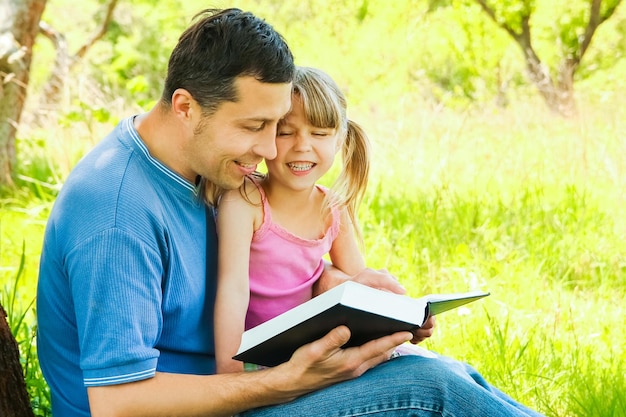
(446, 51)
(570, 27)
(554, 262)
(512, 13)
(557, 29)
(15, 317)
(494, 232)
(465, 61)
(133, 57)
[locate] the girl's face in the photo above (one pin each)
(304, 152)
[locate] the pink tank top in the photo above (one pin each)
(283, 266)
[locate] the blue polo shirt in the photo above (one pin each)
(127, 275)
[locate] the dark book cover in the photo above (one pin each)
(369, 314)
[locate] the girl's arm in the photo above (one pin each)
(235, 226)
(348, 264)
(345, 253)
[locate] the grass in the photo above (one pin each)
(524, 205)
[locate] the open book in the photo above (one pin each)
(369, 313)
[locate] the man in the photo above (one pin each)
(127, 275)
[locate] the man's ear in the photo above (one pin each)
(182, 104)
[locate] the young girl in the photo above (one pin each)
(275, 230)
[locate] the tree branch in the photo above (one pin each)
(594, 22)
(56, 37)
(98, 35)
(609, 12)
(53, 90)
(596, 18)
(483, 4)
(538, 72)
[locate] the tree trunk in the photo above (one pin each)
(19, 25)
(558, 96)
(565, 82)
(14, 399)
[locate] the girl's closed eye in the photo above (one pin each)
(323, 133)
(284, 132)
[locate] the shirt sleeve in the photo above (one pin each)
(115, 279)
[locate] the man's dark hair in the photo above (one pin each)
(221, 46)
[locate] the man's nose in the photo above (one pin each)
(266, 147)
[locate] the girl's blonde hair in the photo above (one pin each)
(325, 106)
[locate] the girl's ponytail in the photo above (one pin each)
(351, 184)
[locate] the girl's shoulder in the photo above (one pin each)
(252, 191)
(249, 192)
(241, 204)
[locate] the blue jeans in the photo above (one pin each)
(405, 386)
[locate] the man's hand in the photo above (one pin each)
(323, 362)
(380, 279)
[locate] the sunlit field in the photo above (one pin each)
(528, 207)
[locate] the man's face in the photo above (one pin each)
(229, 144)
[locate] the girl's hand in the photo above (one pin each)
(425, 331)
(380, 279)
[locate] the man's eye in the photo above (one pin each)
(256, 128)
